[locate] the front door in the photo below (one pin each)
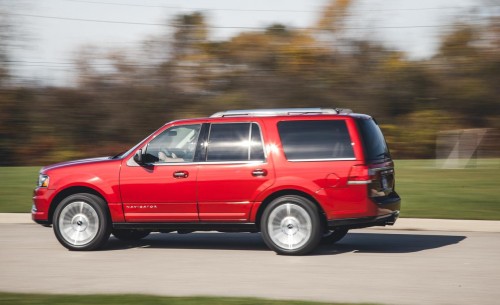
(163, 189)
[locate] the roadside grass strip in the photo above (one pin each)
(129, 299)
(427, 191)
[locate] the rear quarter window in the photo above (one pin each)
(315, 140)
(374, 144)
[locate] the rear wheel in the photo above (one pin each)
(333, 236)
(129, 234)
(291, 225)
(81, 222)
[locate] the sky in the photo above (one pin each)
(54, 30)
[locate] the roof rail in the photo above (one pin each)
(279, 111)
(343, 110)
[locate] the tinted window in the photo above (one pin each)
(176, 144)
(235, 142)
(315, 140)
(373, 140)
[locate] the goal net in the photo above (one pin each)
(463, 148)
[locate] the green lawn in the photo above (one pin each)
(16, 188)
(39, 299)
(427, 191)
(430, 192)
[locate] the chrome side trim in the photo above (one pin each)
(231, 162)
(322, 160)
(133, 163)
(379, 169)
(360, 182)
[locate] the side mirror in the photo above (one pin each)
(138, 157)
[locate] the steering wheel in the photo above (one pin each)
(167, 152)
(164, 153)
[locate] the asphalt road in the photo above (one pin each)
(382, 266)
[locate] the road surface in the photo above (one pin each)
(382, 266)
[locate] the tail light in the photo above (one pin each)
(360, 174)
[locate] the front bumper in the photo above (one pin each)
(41, 202)
(36, 219)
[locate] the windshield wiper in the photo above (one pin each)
(384, 154)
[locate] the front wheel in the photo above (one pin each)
(81, 222)
(291, 225)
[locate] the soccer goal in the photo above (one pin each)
(463, 148)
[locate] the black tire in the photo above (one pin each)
(81, 222)
(129, 234)
(332, 236)
(294, 219)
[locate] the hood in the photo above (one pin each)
(74, 162)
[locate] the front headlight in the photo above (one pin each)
(43, 180)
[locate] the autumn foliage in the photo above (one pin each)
(116, 104)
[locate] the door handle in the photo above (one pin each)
(181, 174)
(259, 173)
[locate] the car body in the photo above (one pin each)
(299, 176)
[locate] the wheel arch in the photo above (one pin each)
(287, 192)
(71, 191)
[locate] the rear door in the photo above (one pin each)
(234, 172)
(318, 154)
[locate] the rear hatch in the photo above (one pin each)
(378, 160)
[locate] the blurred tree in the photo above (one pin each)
(190, 33)
(5, 37)
(468, 66)
(417, 140)
(331, 23)
(123, 95)
(15, 125)
(403, 86)
(333, 15)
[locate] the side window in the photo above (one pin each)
(176, 144)
(235, 142)
(313, 140)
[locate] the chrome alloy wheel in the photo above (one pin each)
(78, 223)
(289, 226)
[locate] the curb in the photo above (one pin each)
(453, 225)
(410, 224)
(15, 218)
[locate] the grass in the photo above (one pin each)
(16, 188)
(430, 192)
(427, 191)
(129, 299)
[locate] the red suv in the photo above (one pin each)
(298, 176)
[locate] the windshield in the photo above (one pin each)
(123, 154)
(373, 140)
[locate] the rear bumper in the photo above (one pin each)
(365, 222)
(388, 208)
(388, 204)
